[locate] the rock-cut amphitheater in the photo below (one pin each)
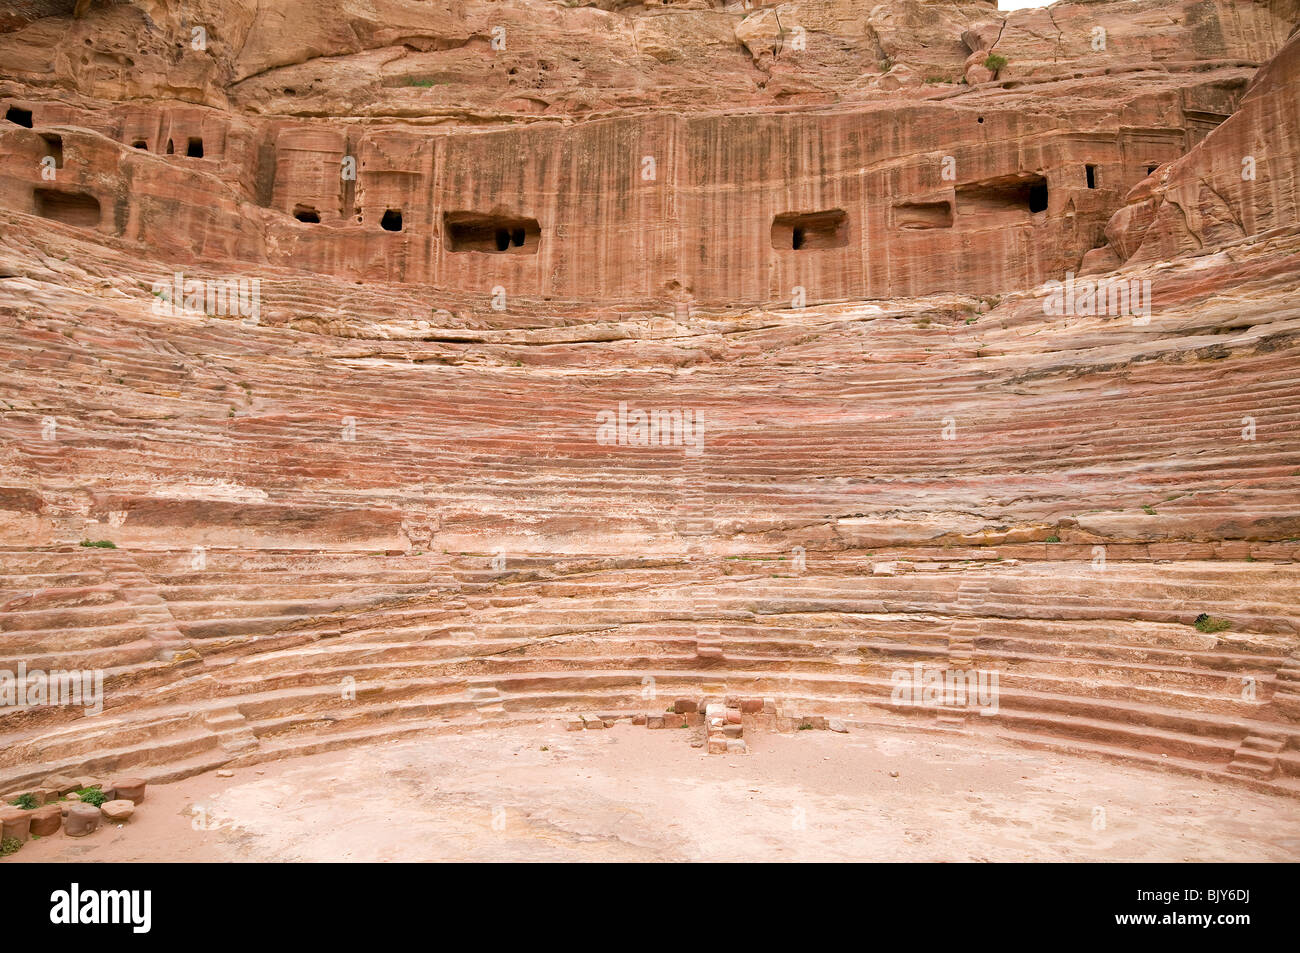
(393, 393)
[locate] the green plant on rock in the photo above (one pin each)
(1148, 509)
(92, 796)
(994, 62)
(99, 543)
(1052, 539)
(26, 801)
(9, 846)
(1208, 623)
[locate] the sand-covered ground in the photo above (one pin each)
(628, 794)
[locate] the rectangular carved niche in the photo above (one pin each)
(806, 231)
(923, 214)
(1004, 200)
(71, 208)
(499, 234)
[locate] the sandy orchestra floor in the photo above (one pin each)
(538, 793)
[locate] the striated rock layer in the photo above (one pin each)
(969, 340)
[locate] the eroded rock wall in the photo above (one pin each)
(934, 186)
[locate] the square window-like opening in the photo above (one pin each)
(476, 231)
(194, 148)
(1090, 173)
(306, 213)
(54, 148)
(799, 231)
(392, 220)
(139, 144)
(19, 116)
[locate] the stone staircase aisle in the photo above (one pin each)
(140, 591)
(1258, 754)
(232, 729)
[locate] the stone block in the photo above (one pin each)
(654, 721)
(118, 812)
(47, 820)
(130, 789)
(737, 746)
(684, 706)
(733, 731)
(717, 746)
(15, 822)
(674, 720)
(60, 783)
(750, 706)
(82, 819)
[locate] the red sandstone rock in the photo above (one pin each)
(825, 424)
(15, 822)
(81, 819)
(118, 811)
(46, 820)
(63, 785)
(130, 789)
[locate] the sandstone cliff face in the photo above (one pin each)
(1242, 181)
(955, 189)
(838, 257)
